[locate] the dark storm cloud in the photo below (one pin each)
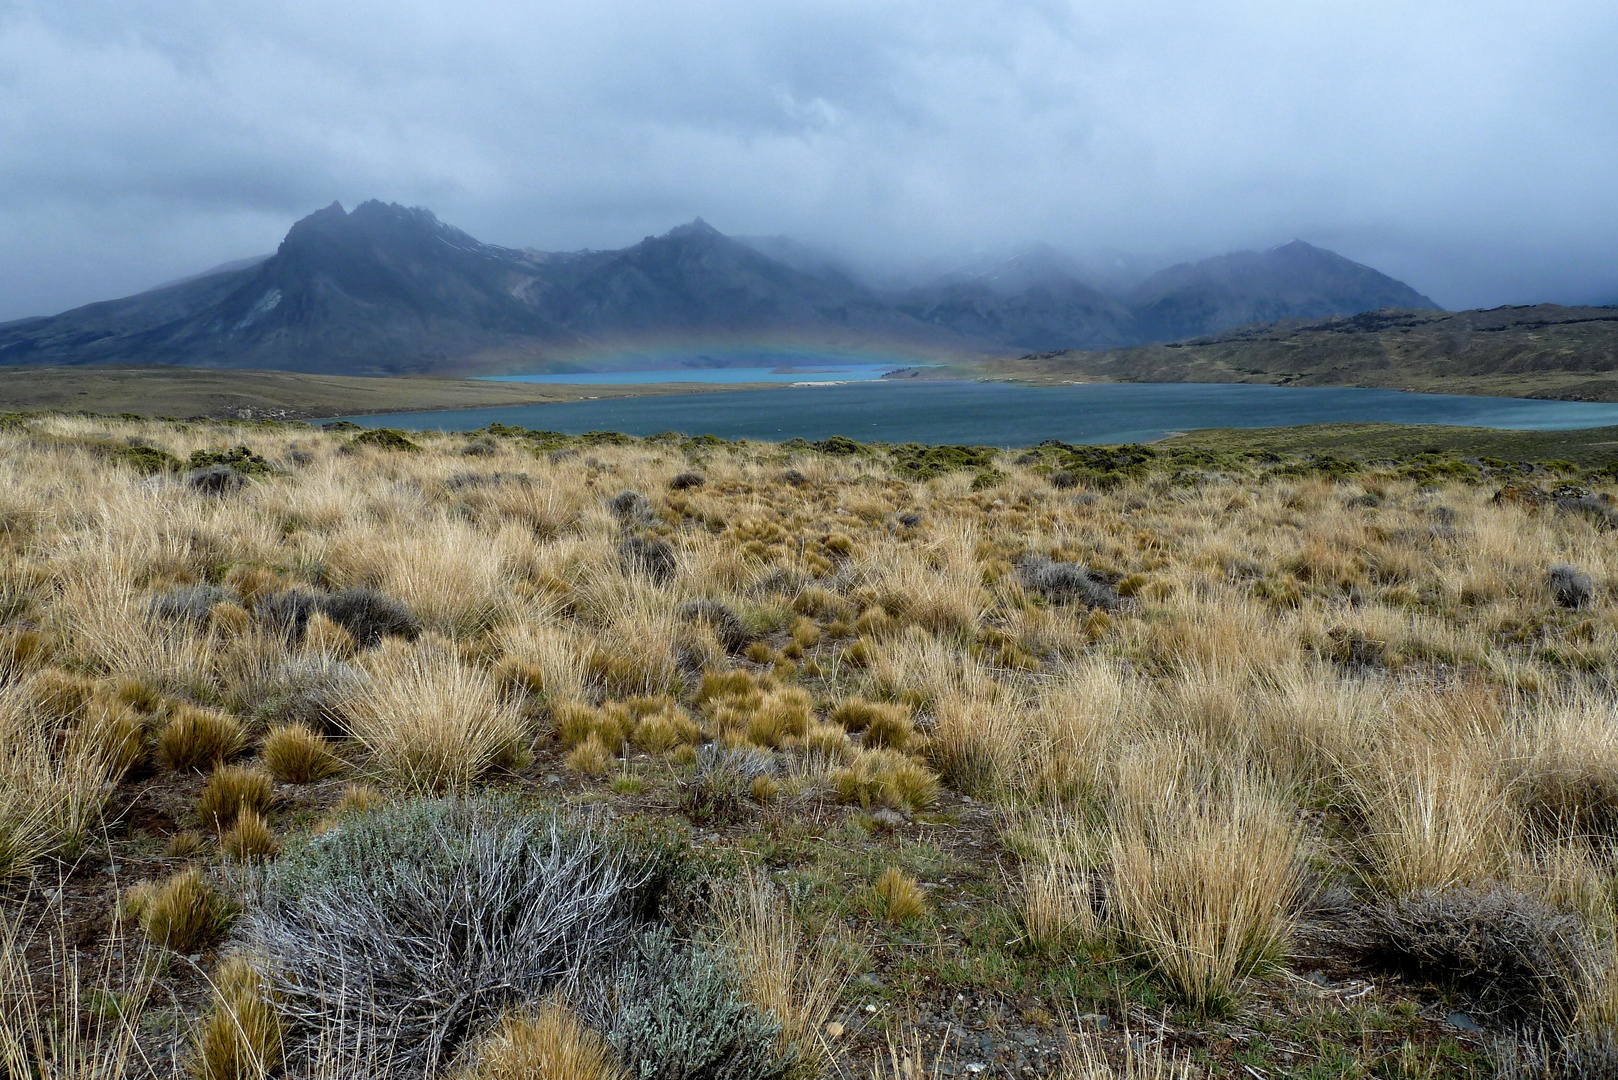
(1468, 148)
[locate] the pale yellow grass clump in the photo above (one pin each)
(51, 789)
(1205, 875)
(431, 722)
(1084, 1059)
(1058, 881)
(549, 1042)
(1436, 815)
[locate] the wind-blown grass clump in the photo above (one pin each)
(417, 925)
(1205, 883)
(432, 722)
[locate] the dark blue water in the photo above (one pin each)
(807, 373)
(1007, 414)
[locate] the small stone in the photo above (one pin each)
(834, 1030)
(869, 981)
(1095, 1021)
(870, 1008)
(195, 958)
(889, 819)
(552, 778)
(975, 1067)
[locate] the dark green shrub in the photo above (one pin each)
(385, 439)
(240, 458)
(147, 460)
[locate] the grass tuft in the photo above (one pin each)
(193, 738)
(297, 754)
(899, 897)
(230, 791)
(184, 913)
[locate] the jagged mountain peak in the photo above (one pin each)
(385, 287)
(696, 227)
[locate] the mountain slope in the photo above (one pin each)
(1541, 351)
(1293, 281)
(1035, 299)
(388, 289)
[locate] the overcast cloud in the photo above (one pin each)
(1470, 149)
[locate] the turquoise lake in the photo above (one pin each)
(1006, 414)
(810, 373)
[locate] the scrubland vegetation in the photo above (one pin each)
(513, 755)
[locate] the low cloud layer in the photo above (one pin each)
(1468, 148)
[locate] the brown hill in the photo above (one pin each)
(1544, 351)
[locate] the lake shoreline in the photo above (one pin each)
(1008, 414)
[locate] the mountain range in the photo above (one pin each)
(389, 289)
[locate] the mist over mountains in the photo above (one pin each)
(390, 289)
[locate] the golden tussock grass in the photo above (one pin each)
(1205, 873)
(192, 738)
(239, 1037)
(549, 1042)
(249, 838)
(885, 778)
(231, 791)
(297, 754)
(431, 722)
(183, 913)
(899, 896)
(53, 789)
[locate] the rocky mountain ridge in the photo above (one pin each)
(390, 289)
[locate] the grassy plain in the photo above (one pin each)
(273, 395)
(1220, 759)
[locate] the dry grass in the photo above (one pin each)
(899, 896)
(249, 838)
(240, 1036)
(41, 1030)
(52, 789)
(232, 791)
(182, 914)
(431, 721)
(782, 972)
(1204, 881)
(297, 754)
(1085, 1060)
(1373, 673)
(549, 1043)
(193, 738)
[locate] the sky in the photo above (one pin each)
(1468, 148)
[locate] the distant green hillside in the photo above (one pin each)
(1588, 448)
(1570, 354)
